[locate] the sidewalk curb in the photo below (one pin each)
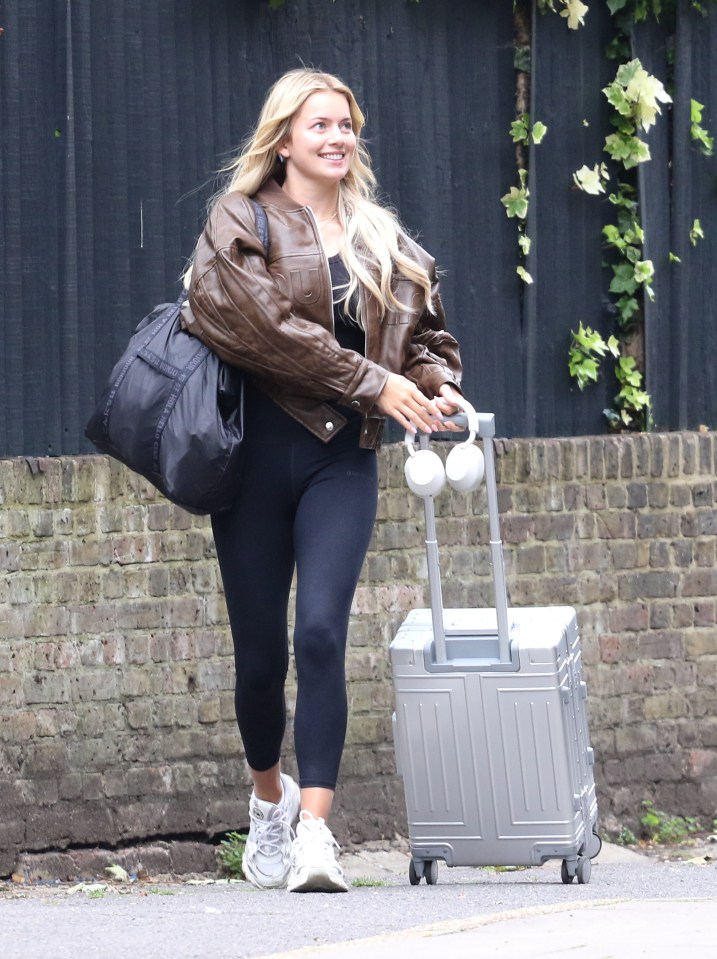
(454, 927)
(445, 928)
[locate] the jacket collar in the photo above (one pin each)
(271, 194)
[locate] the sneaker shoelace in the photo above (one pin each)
(316, 833)
(270, 833)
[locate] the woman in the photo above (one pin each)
(337, 325)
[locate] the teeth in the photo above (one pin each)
(332, 156)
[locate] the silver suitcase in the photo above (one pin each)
(490, 726)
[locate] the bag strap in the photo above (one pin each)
(262, 224)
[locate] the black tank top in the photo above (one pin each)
(346, 330)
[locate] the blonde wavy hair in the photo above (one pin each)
(371, 230)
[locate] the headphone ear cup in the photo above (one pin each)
(425, 474)
(465, 468)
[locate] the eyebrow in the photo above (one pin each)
(342, 120)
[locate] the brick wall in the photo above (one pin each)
(116, 683)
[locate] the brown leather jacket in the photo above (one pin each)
(271, 314)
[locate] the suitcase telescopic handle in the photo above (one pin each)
(483, 425)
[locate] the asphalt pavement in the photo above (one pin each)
(634, 905)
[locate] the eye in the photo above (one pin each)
(346, 126)
(319, 125)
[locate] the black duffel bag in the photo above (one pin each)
(173, 411)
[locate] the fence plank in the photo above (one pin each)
(569, 69)
(649, 43)
(693, 344)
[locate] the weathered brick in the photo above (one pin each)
(680, 495)
(616, 525)
(629, 618)
(701, 582)
(652, 585)
(639, 739)
(658, 525)
(627, 555)
(662, 644)
(46, 688)
(705, 613)
(637, 495)
(660, 615)
(554, 527)
(530, 559)
(702, 522)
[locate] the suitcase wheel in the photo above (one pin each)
(426, 868)
(431, 872)
(583, 868)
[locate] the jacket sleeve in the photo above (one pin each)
(237, 309)
(433, 356)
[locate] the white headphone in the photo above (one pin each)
(464, 468)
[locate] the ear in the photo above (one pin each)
(283, 150)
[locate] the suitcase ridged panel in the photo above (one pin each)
(496, 762)
(437, 728)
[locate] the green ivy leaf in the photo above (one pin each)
(628, 72)
(623, 280)
(591, 181)
(627, 372)
(614, 346)
(519, 129)
(696, 111)
(698, 133)
(644, 271)
(524, 275)
(586, 371)
(627, 308)
(538, 132)
(589, 340)
(613, 236)
(616, 97)
(516, 202)
(696, 233)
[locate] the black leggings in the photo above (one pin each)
(312, 505)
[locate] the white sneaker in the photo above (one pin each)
(313, 861)
(266, 859)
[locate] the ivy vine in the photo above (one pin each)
(636, 99)
(516, 201)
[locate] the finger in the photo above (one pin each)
(424, 417)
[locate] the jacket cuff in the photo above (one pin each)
(365, 388)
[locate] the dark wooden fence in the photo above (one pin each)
(115, 115)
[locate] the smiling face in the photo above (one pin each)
(322, 142)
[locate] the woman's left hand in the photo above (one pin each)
(446, 405)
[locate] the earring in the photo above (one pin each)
(282, 159)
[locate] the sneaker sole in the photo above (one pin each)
(269, 884)
(317, 880)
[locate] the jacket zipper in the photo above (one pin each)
(326, 265)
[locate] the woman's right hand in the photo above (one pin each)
(403, 401)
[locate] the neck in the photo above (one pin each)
(323, 200)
